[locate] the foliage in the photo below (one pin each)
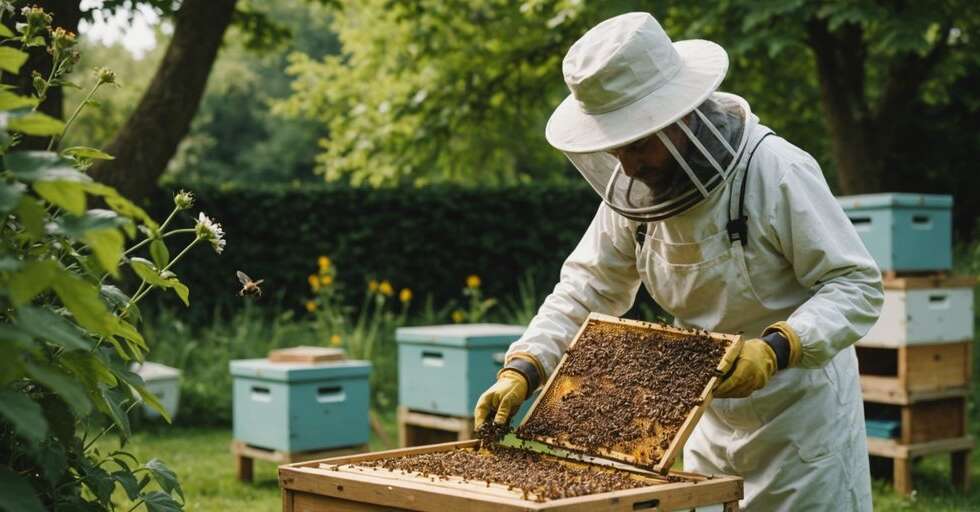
(367, 333)
(234, 136)
(429, 238)
(69, 330)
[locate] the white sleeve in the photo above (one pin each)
(599, 276)
(829, 259)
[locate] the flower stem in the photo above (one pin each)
(74, 114)
(182, 253)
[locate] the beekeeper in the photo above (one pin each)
(731, 228)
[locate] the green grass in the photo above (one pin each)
(206, 470)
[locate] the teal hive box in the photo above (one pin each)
(295, 407)
(904, 232)
(444, 369)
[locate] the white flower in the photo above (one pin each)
(211, 231)
(184, 200)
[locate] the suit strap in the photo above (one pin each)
(738, 223)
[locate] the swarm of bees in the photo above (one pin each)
(249, 287)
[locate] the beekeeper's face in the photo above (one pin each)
(649, 161)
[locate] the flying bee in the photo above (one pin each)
(249, 287)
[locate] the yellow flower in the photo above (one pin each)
(405, 295)
(458, 316)
(326, 280)
(335, 340)
(324, 263)
(372, 286)
(310, 306)
(473, 281)
(385, 288)
(314, 282)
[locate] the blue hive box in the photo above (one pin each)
(904, 232)
(295, 407)
(444, 369)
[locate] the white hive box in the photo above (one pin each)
(164, 382)
(924, 310)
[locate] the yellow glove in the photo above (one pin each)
(755, 364)
(506, 396)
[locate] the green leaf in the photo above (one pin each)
(31, 215)
(10, 264)
(181, 290)
(36, 123)
(10, 194)
(136, 383)
(164, 476)
(98, 481)
(52, 328)
(65, 386)
(159, 253)
(114, 400)
(89, 368)
(86, 152)
(128, 331)
(24, 414)
(69, 195)
(128, 482)
(145, 269)
(34, 278)
(5, 31)
(11, 101)
(35, 165)
(157, 501)
(82, 299)
(107, 244)
(119, 203)
(18, 494)
(11, 59)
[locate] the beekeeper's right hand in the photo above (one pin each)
(505, 396)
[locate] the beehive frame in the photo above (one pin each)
(324, 485)
(663, 464)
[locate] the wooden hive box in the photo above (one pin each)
(355, 483)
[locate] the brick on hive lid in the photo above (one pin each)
(306, 354)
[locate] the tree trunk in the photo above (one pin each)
(145, 143)
(65, 14)
(840, 59)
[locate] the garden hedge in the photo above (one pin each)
(427, 239)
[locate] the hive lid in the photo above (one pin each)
(306, 354)
(461, 335)
(630, 391)
(864, 201)
(154, 371)
(298, 372)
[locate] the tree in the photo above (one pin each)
(461, 89)
(164, 114)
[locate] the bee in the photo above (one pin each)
(249, 287)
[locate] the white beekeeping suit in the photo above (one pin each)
(752, 239)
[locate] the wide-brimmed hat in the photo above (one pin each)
(628, 80)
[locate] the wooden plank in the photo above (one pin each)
(306, 502)
(663, 497)
(902, 475)
(959, 463)
(889, 448)
(435, 421)
(451, 482)
(242, 450)
(306, 355)
(935, 367)
(888, 390)
(933, 281)
(651, 456)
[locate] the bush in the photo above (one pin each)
(427, 239)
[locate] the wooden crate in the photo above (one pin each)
(902, 455)
(647, 453)
(915, 373)
(321, 485)
(924, 421)
(923, 310)
(416, 428)
(245, 456)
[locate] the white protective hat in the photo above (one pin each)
(629, 81)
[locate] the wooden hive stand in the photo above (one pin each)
(417, 428)
(918, 391)
(245, 456)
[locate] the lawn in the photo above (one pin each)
(206, 470)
